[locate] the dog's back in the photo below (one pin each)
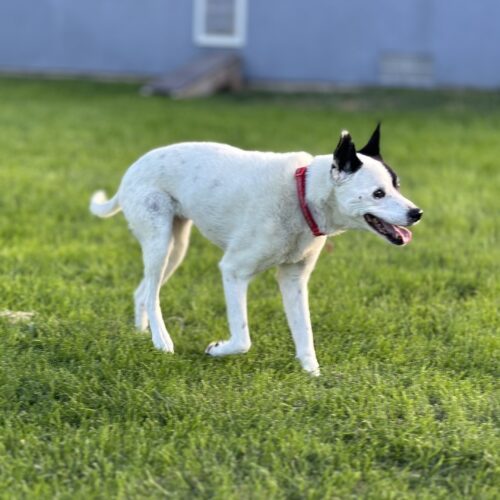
(210, 182)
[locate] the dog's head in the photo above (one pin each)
(367, 191)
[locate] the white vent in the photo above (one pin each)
(220, 23)
(412, 70)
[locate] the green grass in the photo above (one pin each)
(407, 403)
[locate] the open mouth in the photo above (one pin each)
(397, 235)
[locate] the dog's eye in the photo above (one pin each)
(379, 193)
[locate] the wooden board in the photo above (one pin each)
(203, 76)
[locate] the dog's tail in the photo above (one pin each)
(102, 207)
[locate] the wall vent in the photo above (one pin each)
(407, 70)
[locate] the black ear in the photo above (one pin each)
(344, 156)
(372, 148)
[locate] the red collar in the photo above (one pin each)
(300, 179)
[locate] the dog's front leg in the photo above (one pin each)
(293, 279)
(235, 291)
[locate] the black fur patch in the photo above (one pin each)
(394, 176)
(345, 156)
(372, 147)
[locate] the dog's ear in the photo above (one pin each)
(372, 147)
(344, 156)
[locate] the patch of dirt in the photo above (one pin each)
(16, 316)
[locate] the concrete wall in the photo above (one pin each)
(466, 42)
(343, 41)
(96, 36)
(330, 41)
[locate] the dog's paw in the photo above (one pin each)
(164, 344)
(225, 348)
(310, 365)
(315, 372)
(141, 324)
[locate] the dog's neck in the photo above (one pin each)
(320, 196)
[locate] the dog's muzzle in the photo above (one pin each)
(397, 235)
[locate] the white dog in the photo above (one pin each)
(263, 210)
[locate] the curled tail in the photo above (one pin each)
(102, 207)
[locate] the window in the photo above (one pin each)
(220, 23)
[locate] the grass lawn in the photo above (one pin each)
(407, 339)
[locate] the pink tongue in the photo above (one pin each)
(404, 233)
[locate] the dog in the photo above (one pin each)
(263, 210)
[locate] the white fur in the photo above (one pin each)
(246, 203)
(100, 206)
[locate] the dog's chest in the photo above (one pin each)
(295, 248)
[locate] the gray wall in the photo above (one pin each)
(342, 40)
(95, 36)
(467, 44)
(331, 41)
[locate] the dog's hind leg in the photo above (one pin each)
(155, 253)
(181, 231)
(141, 316)
(180, 241)
(293, 279)
(151, 221)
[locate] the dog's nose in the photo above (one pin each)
(415, 214)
